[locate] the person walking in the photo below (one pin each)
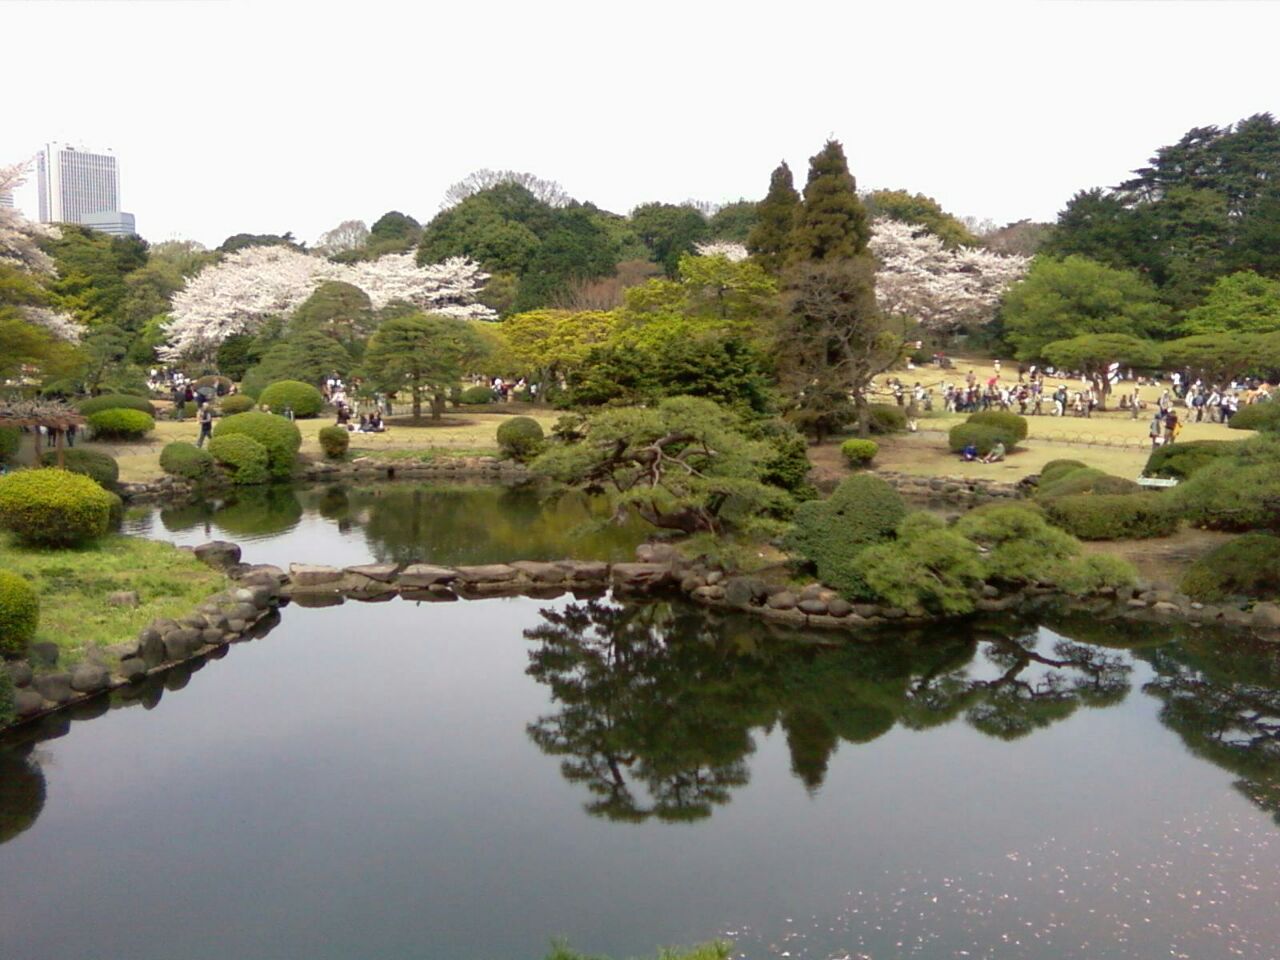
(205, 417)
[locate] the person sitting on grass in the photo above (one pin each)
(375, 423)
(969, 453)
(996, 454)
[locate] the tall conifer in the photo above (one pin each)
(775, 218)
(832, 224)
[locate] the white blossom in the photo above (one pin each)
(733, 252)
(941, 289)
(239, 293)
(61, 325)
(19, 237)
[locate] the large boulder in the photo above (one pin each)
(19, 672)
(89, 677)
(27, 703)
(487, 573)
(312, 574)
(641, 576)
(382, 572)
(423, 575)
(541, 572)
(53, 686)
(220, 554)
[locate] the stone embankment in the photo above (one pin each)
(958, 491)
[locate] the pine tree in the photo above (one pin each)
(832, 224)
(775, 218)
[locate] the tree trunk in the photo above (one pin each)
(417, 403)
(437, 406)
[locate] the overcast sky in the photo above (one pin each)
(264, 116)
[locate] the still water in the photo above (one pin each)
(469, 780)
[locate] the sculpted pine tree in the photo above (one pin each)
(832, 223)
(775, 218)
(423, 355)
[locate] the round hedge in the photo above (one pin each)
(984, 436)
(279, 436)
(1084, 480)
(859, 453)
(1114, 516)
(116, 401)
(1181, 460)
(1232, 494)
(886, 418)
(52, 507)
(236, 403)
(1257, 416)
(19, 613)
(831, 533)
(474, 396)
(100, 467)
(1056, 469)
(186, 460)
(10, 441)
(120, 424)
(1248, 566)
(245, 457)
(302, 398)
(1011, 422)
(334, 441)
(521, 438)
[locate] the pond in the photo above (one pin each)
(469, 780)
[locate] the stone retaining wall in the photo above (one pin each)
(961, 491)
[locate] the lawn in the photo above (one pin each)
(73, 586)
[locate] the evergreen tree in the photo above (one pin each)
(832, 224)
(775, 218)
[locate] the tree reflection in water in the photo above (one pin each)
(21, 793)
(657, 703)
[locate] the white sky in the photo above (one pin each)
(262, 116)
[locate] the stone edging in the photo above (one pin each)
(961, 491)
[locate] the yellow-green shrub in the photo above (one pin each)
(53, 507)
(19, 613)
(120, 424)
(245, 457)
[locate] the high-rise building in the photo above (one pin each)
(75, 185)
(6, 198)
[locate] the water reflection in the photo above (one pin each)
(22, 793)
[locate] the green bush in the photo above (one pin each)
(474, 396)
(52, 507)
(1090, 574)
(116, 401)
(1258, 416)
(1181, 460)
(1248, 566)
(120, 424)
(1011, 422)
(521, 438)
(334, 441)
(787, 466)
(19, 614)
(7, 710)
(1020, 544)
(886, 418)
(830, 534)
(984, 436)
(279, 436)
(186, 460)
(100, 467)
(859, 453)
(1084, 480)
(1055, 469)
(60, 390)
(214, 380)
(1114, 516)
(927, 569)
(10, 441)
(236, 403)
(1232, 494)
(245, 457)
(304, 399)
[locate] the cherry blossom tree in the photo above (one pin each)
(943, 290)
(19, 237)
(348, 235)
(733, 252)
(239, 293)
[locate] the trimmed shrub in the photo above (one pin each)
(1085, 480)
(60, 390)
(19, 614)
(334, 441)
(245, 457)
(1021, 545)
(1102, 516)
(116, 401)
(1181, 460)
(10, 441)
(120, 424)
(521, 438)
(1232, 494)
(831, 533)
(927, 569)
(787, 467)
(214, 380)
(1090, 574)
(1248, 566)
(52, 507)
(859, 453)
(1012, 422)
(236, 403)
(302, 398)
(474, 396)
(886, 418)
(1056, 469)
(100, 467)
(279, 436)
(186, 460)
(984, 436)
(1257, 416)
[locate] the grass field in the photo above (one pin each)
(73, 586)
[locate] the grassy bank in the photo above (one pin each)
(74, 584)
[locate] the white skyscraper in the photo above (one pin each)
(77, 186)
